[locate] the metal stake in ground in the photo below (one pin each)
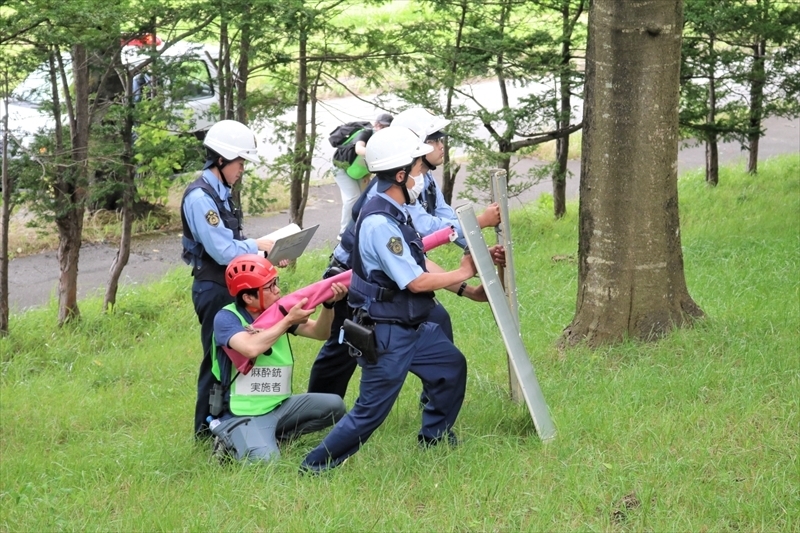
(508, 327)
(507, 274)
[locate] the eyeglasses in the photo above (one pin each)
(440, 140)
(272, 285)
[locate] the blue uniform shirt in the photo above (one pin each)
(217, 240)
(376, 233)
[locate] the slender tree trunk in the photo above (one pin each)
(5, 218)
(243, 68)
(222, 79)
(712, 152)
(449, 172)
(504, 143)
(69, 219)
(300, 159)
(756, 103)
(630, 273)
(128, 192)
(565, 110)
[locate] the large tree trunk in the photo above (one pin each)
(630, 278)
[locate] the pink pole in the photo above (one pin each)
(317, 293)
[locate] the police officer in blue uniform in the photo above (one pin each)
(213, 237)
(333, 367)
(391, 291)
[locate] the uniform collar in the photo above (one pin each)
(402, 208)
(212, 180)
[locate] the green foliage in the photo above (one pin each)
(695, 432)
(517, 44)
(720, 39)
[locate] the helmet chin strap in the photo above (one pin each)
(402, 184)
(214, 163)
(430, 165)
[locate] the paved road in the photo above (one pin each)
(34, 279)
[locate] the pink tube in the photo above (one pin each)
(317, 293)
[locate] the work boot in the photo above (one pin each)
(429, 442)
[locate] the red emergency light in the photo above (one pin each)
(147, 39)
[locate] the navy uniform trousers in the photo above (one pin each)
(208, 297)
(333, 367)
(426, 352)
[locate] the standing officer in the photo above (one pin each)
(213, 237)
(391, 290)
(333, 367)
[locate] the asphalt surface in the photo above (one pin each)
(33, 280)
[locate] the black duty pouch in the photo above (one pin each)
(361, 340)
(332, 271)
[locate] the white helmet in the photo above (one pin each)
(391, 148)
(420, 121)
(232, 139)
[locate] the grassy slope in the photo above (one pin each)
(696, 432)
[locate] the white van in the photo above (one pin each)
(195, 64)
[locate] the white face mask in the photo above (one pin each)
(416, 190)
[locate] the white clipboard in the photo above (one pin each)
(290, 242)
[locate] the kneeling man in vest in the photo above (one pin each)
(257, 411)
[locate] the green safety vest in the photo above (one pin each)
(267, 384)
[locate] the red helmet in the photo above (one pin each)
(248, 271)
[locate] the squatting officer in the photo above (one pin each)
(391, 289)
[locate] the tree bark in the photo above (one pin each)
(72, 189)
(630, 274)
(128, 190)
(298, 167)
(243, 68)
(712, 152)
(565, 110)
(757, 76)
(5, 218)
(448, 171)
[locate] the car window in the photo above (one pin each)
(191, 80)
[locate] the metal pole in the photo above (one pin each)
(507, 275)
(520, 361)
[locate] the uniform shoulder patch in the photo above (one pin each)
(212, 217)
(395, 245)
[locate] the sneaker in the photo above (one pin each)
(221, 453)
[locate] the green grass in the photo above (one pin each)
(698, 432)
